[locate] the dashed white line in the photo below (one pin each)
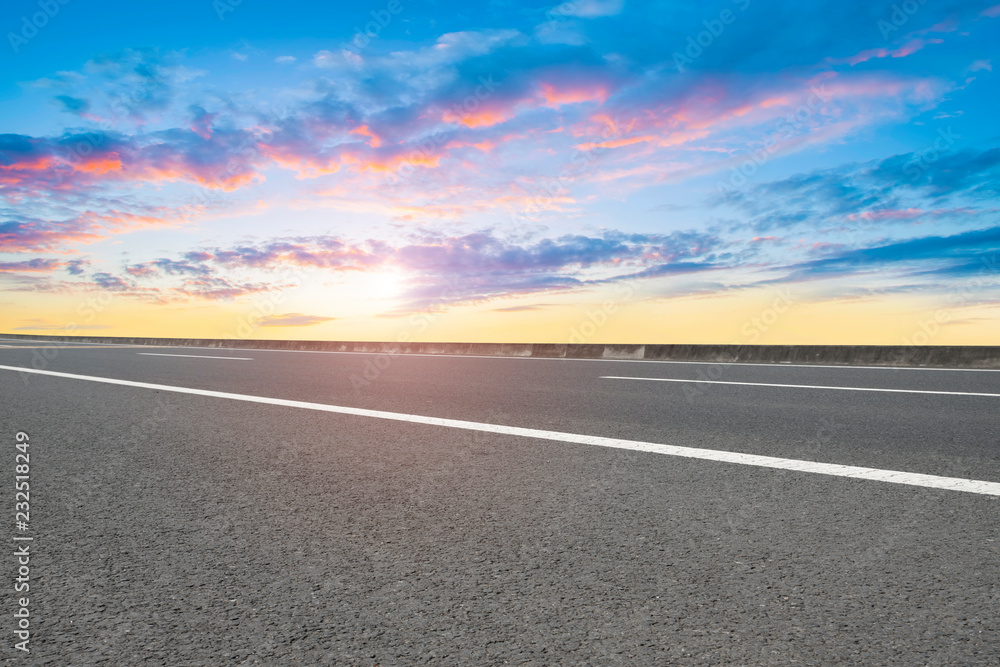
(831, 469)
(193, 356)
(772, 364)
(805, 386)
(58, 343)
(737, 364)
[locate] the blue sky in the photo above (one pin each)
(498, 171)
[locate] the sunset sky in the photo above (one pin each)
(731, 171)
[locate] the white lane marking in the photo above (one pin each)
(192, 356)
(779, 364)
(56, 347)
(836, 470)
(56, 343)
(805, 386)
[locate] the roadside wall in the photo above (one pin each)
(954, 356)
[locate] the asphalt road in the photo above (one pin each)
(186, 529)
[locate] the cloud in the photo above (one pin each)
(111, 283)
(442, 270)
(64, 328)
(135, 83)
(807, 33)
(294, 320)
(323, 252)
(909, 48)
(410, 116)
(37, 265)
(219, 289)
(474, 253)
(519, 309)
(32, 166)
(480, 267)
(76, 267)
(957, 255)
(20, 234)
(589, 8)
(874, 191)
(542, 123)
(969, 170)
(483, 252)
(73, 105)
(27, 235)
(607, 123)
(208, 288)
(45, 265)
(168, 267)
(201, 121)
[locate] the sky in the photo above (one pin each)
(597, 171)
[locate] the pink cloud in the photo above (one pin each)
(41, 236)
(303, 164)
(141, 271)
(616, 143)
(888, 214)
(373, 139)
(64, 236)
(479, 118)
(32, 166)
(37, 265)
(554, 95)
(201, 124)
(907, 49)
(393, 161)
(911, 214)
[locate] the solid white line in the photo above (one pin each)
(836, 470)
(192, 356)
(805, 386)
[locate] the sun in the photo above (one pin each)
(380, 285)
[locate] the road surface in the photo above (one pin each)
(211, 506)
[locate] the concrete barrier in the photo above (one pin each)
(943, 356)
